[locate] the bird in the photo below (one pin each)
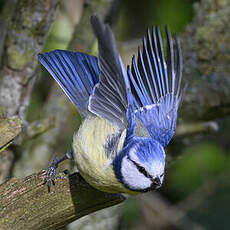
(114, 103)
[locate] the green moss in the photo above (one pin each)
(203, 33)
(3, 113)
(18, 59)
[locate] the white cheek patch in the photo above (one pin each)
(132, 177)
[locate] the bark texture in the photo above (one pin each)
(26, 204)
(206, 51)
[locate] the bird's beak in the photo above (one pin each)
(156, 183)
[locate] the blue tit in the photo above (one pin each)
(108, 152)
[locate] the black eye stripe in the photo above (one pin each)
(141, 169)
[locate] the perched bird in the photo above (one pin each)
(107, 150)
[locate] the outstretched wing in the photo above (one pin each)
(76, 73)
(109, 99)
(99, 85)
(156, 85)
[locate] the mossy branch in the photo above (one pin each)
(26, 204)
(206, 48)
(9, 129)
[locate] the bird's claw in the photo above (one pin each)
(51, 173)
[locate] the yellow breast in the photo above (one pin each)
(90, 157)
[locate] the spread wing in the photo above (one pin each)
(99, 85)
(76, 73)
(156, 85)
(109, 99)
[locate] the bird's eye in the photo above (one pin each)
(141, 169)
(161, 175)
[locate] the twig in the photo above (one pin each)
(194, 128)
(9, 129)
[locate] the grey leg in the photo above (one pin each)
(51, 171)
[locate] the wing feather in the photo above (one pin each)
(111, 91)
(75, 72)
(155, 85)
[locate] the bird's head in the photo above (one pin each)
(140, 165)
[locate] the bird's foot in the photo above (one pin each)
(51, 173)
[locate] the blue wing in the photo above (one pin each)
(75, 72)
(97, 85)
(156, 85)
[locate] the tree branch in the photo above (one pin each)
(26, 34)
(188, 129)
(9, 129)
(26, 203)
(25, 24)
